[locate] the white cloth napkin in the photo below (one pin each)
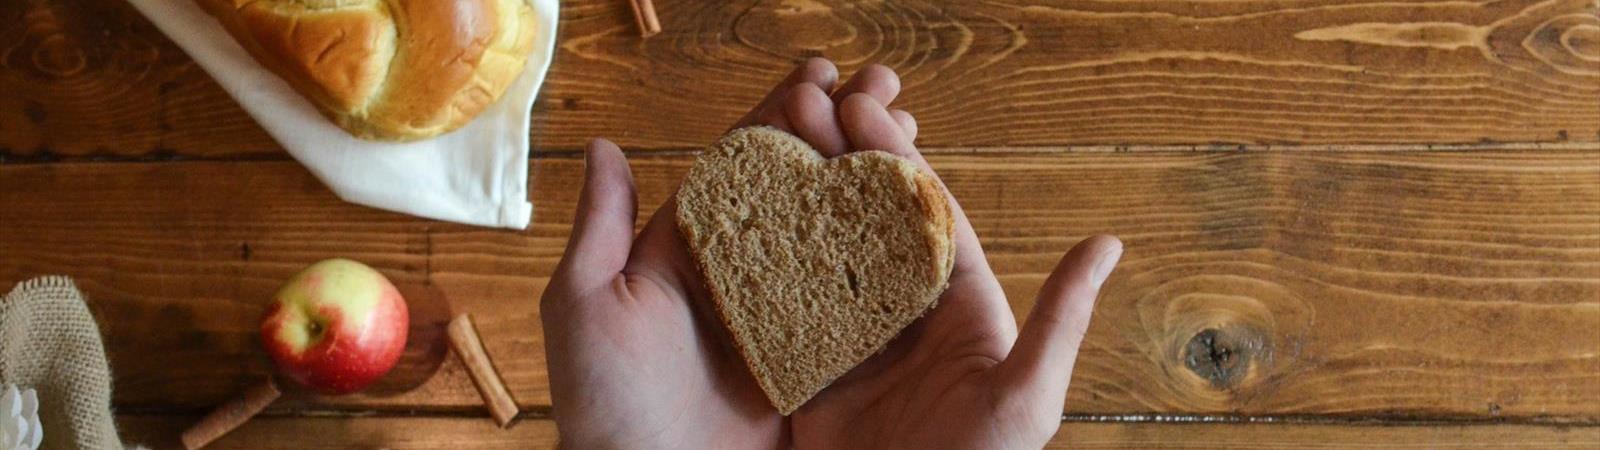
(477, 174)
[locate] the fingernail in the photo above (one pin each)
(1104, 264)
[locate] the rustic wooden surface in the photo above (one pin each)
(977, 74)
(1418, 272)
(405, 433)
(1348, 224)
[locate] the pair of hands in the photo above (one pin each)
(638, 358)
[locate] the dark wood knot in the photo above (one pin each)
(1220, 357)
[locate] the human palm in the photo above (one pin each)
(633, 364)
(635, 361)
(637, 358)
(961, 377)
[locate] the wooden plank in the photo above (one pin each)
(400, 433)
(394, 433)
(96, 78)
(976, 74)
(1434, 285)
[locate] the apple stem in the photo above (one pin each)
(231, 415)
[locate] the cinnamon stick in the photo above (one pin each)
(464, 340)
(230, 415)
(644, 13)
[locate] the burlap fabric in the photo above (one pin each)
(49, 341)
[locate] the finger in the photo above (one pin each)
(1040, 365)
(776, 117)
(875, 80)
(870, 127)
(908, 124)
(817, 71)
(811, 114)
(598, 248)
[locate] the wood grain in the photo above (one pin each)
(89, 78)
(400, 433)
(976, 74)
(1432, 285)
(394, 433)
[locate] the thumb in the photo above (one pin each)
(603, 231)
(1040, 365)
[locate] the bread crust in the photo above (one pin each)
(936, 206)
(395, 70)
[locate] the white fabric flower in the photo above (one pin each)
(19, 419)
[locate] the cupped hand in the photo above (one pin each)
(961, 376)
(636, 357)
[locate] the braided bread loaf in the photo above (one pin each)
(387, 69)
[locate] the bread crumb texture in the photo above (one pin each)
(814, 264)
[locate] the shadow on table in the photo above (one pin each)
(426, 345)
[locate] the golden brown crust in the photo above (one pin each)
(389, 70)
(936, 205)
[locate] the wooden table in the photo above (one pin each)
(1347, 223)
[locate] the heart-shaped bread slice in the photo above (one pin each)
(814, 264)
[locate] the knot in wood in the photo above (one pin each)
(1220, 334)
(1222, 356)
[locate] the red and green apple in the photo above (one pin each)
(336, 327)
